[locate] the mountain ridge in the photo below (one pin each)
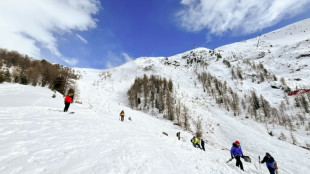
(205, 60)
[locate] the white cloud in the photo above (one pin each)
(245, 16)
(127, 57)
(82, 38)
(116, 59)
(109, 65)
(30, 25)
(71, 61)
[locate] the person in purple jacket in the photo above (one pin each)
(236, 152)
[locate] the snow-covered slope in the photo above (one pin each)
(37, 137)
(282, 48)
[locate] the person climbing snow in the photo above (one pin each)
(270, 163)
(197, 143)
(179, 135)
(236, 152)
(122, 115)
(202, 144)
(68, 100)
(193, 140)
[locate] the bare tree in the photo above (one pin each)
(186, 119)
(283, 81)
(235, 104)
(305, 103)
(282, 137)
(239, 73)
(265, 107)
(198, 127)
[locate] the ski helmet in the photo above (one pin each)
(267, 154)
(237, 142)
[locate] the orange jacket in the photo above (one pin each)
(68, 99)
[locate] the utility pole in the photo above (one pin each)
(258, 40)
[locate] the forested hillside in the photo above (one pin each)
(22, 69)
(248, 80)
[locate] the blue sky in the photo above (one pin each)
(108, 33)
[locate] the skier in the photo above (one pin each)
(236, 152)
(122, 115)
(270, 163)
(68, 100)
(202, 144)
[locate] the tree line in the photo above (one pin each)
(254, 106)
(157, 95)
(19, 68)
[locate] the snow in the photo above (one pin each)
(41, 139)
(37, 137)
(281, 47)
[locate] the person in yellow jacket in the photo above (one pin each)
(197, 143)
(122, 115)
(193, 140)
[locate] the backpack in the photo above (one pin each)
(275, 165)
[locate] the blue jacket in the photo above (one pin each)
(269, 162)
(236, 150)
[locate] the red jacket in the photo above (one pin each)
(68, 99)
